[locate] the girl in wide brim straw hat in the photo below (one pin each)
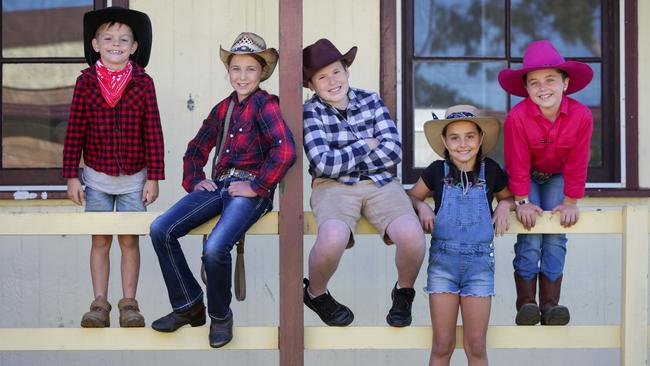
(463, 186)
(255, 150)
(546, 149)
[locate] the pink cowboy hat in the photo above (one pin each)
(542, 55)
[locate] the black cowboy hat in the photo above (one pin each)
(139, 23)
(320, 54)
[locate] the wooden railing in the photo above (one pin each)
(631, 336)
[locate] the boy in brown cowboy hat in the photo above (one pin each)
(546, 148)
(351, 142)
(114, 123)
(257, 150)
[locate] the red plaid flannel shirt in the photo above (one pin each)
(258, 141)
(114, 141)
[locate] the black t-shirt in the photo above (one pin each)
(495, 179)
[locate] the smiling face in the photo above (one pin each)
(463, 140)
(331, 84)
(115, 43)
(546, 87)
(245, 74)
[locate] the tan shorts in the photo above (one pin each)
(379, 205)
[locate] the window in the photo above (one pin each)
(453, 50)
(42, 55)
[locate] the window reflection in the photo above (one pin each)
(35, 107)
(574, 27)
(440, 85)
(32, 28)
(459, 28)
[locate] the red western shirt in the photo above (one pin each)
(258, 141)
(121, 140)
(532, 142)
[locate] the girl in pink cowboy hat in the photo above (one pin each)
(546, 148)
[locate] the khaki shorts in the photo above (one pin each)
(331, 199)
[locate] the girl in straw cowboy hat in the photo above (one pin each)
(257, 150)
(546, 148)
(461, 256)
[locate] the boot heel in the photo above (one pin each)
(198, 322)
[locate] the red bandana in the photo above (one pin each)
(113, 83)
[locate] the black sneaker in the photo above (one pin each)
(330, 311)
(400, 314)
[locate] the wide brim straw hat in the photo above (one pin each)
(542, 55)
(489, 125)
(139, 23)
(248, 43)
(320, 54)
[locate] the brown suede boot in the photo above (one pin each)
(549, 296)
(98, 316)
(130, 313)
(527, 310)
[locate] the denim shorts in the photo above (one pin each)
(97, 201)
(464, 269)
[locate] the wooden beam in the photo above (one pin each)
(130, 339)
(388, 55)
(291, 340)
(414, 337)
(634, 286)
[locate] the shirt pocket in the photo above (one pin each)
(563, 148)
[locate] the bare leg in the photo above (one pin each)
(100, 264)
(130, 265)
(444, 314)
(476, 317)
(406, 232)
(324, 258)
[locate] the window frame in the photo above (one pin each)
(620, 167)
(39, 179)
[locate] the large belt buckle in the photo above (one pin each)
(231, 172)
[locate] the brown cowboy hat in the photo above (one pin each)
(489, 125)
(248, 43)
(320, 54)
(139, 23)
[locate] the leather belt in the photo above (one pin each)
(236, 173)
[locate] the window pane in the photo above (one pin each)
(591, 97)
(32, 28)
(35, 107)
(440, 85)
(459, 28)
(574, 27)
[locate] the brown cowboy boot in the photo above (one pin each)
(527, 310)
(130, 313)
(98, 316)
(549, 296)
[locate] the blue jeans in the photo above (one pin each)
(237, 215)
(544, 253)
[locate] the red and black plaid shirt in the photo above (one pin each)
(258, 141)
(114, 141)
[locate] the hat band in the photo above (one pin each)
(243, 49)
(460, 115)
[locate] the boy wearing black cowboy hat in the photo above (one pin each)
(351, 142)
(115, 125)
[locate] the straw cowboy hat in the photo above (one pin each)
(248, 43)
(320, 54)
(139, 23)
(542, 55)
(489, 125)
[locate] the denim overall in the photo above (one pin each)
(461, 257)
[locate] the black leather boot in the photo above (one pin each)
(221, 331)
(194, 316)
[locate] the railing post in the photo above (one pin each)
(634, 287)
(291, 335)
